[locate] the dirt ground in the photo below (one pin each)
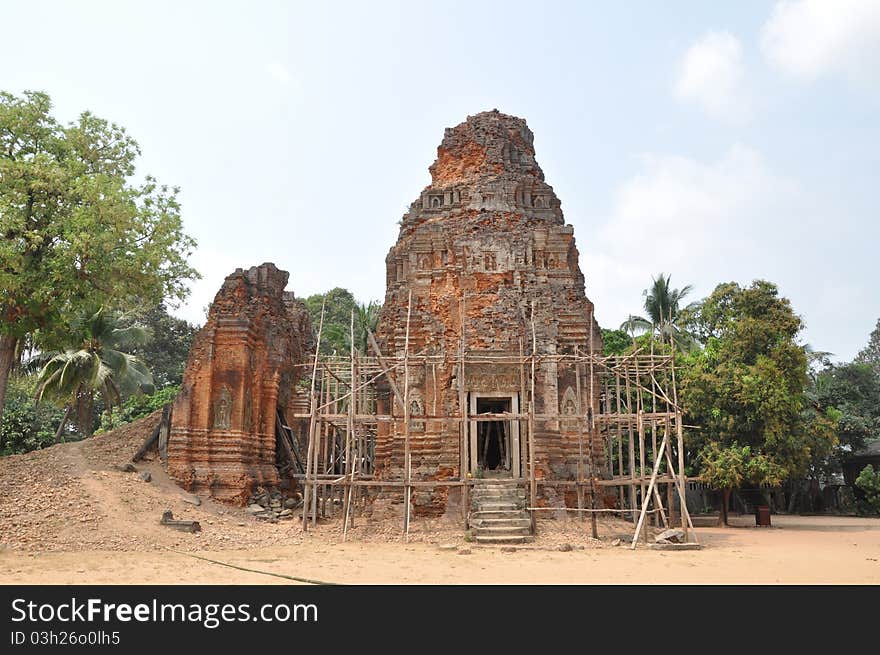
(69, 515)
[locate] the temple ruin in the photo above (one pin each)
(484, 395)
(240, 374)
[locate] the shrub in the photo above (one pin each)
(869, 482)
(137, 407)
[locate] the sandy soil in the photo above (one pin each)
(800, 550)
(68, 515)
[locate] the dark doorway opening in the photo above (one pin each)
(493, 437)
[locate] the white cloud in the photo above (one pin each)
(711, 75)
(812, 38)
(278, 72)
(703, 222)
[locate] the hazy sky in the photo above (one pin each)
(713, 141)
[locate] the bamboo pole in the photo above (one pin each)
(386, 370)
(686, 517)
(644, 497)
(631, 450)
(680, 439)
(522, 399)
(312, 421)
(349, 434)
(463, 412)
(533, 487)
(640, 526)
(594, 527)
(619, 439)
(406, 426)
(608, 432)
(580, 462)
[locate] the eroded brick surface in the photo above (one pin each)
(486, 239)
(241, 368)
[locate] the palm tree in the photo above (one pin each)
(366, 318)
(96, 365)
(336, 337)
(664, 314)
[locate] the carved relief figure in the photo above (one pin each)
(569, 408)
(416, 408)
(223, 409)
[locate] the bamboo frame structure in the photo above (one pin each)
(632, 408)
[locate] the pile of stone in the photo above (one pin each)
(273, 505)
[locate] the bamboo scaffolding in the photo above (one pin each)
(343, 419)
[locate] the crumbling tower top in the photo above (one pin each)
(486, 146)
(486, 164)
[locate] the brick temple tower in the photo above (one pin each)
(491, 267)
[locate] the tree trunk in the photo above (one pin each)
(792, 502)
(725, 506)
(84, 403)
(7, 359)
(62, 424)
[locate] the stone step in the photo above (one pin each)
(499, 514)
(510, 539)
(518, 522)
(480, 491)
(490, 497)
(501, 531)
(500, 505)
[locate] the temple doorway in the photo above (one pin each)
(494, 444)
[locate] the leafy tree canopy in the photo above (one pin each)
(870, 354)
(167, 345)
(77, 228)
(854, 391)
(616, 342)
(338, 307)
(745, 390)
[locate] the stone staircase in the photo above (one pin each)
(498, 513)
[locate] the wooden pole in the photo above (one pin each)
(580, 428)
(644, 499)
(619, 438)
(463, 425)
(407, 492)
(386, 369)
(312, 421)
(533, 484)
(594, 527)
(349, 435)
(639, 526)
(686, 517)
(680, 439)
(654, 427)
(631, 449)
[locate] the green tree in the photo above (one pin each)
(366, 318)
(869, 482)
(138, 406)
(338, 307)
(726, 467)
(167, 346)
(98, 365)
(665, 315)
(77, 230)
(745, 390)
(615, 342)
(870, 354)
(853, 390)
(25, 426)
